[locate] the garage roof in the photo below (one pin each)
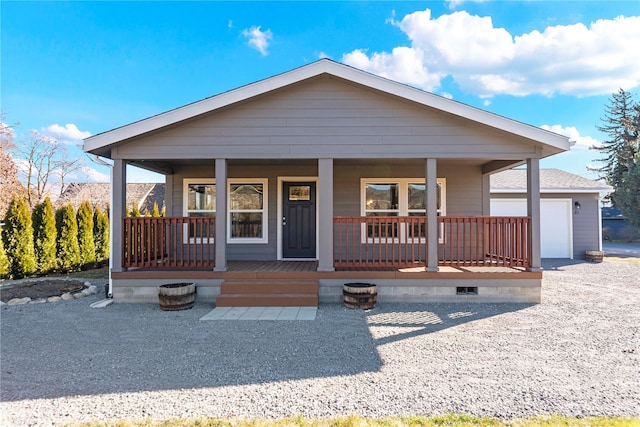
(551, 181)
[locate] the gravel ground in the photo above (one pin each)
(577, 354)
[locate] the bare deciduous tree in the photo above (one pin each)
(9, 183)
(44, 158)
(66, 167)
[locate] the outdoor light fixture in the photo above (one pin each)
(576, 207)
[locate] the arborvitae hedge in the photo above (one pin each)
(135, 211)
(44, 233)
(101, 235)
(68, 248)
(17, 236)
(4, 261)
(155, 213)
(85, 235)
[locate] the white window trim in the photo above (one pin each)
(403, 205)
(264, 211)
(185, 208)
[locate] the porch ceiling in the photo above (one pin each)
(166, 167)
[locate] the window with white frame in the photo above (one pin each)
(398, 197)
(247, 211)
(199, 200)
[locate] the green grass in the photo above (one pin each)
(97, 274)
(354, 421)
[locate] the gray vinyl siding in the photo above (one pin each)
(586, 227)
(327, 118)
(463, 186)
(243, 251)
(463, 191)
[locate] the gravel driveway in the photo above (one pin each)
(577, 353)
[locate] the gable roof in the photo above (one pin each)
(551, 181)
(98, 194)
(98, 144)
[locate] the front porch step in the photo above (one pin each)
(268, 293)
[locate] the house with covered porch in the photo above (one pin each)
(281, 191)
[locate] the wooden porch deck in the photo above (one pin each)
(308, 270)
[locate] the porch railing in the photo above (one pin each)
(168, 242)
(484, 241)
(359, 242)
(379, 241)
(400, 242)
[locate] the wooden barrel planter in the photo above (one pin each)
(594, 256)
(177, 296)
(360, 295)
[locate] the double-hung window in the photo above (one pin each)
(199, 201)
(247, 211)
(397, 198)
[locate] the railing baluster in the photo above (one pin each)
(168, 242)
(394, 242)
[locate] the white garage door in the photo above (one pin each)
(556, 227)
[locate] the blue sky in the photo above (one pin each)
(74, 69)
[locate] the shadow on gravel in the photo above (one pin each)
(558, 263)
(58, 350)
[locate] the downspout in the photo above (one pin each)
(100, 161)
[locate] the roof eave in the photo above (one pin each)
(551, 190)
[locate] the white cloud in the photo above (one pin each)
(486, 60)
(403, 64)
(323, 55)
(68, 134)
(92, 175)
(581, 142)
(257, 39)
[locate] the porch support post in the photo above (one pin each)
(431, 197)
(118, 211)
(221, 216)
(325, 215)
(486, 194)
(533, 211)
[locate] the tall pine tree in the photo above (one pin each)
(67, 249)
(17, 236)
(85, 235)
(627, 194)
(620, 124)
(44, 233)
(622, 150)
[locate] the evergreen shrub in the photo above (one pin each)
(17, 236)
(86, 242)
(68, 249)
(44, 233)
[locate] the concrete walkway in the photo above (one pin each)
(261, 313)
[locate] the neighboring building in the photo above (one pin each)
(324, 175)
(616, 227)
(569, 209)
(142, 195)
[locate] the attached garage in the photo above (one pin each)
(570, 221)
(556, 223)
